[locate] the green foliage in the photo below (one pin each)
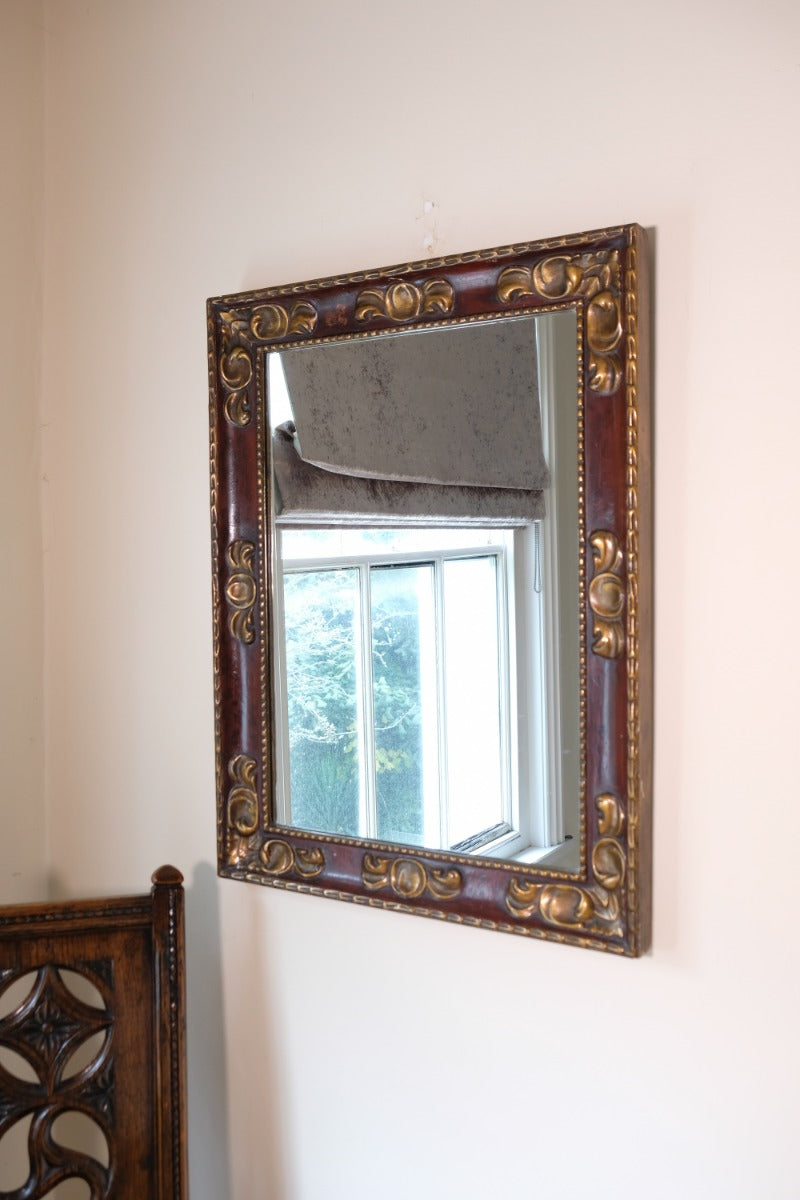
(322, 655)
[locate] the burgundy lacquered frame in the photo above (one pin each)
(602, 276)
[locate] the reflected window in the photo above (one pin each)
(397, 651)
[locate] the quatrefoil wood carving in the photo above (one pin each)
(45, 1030)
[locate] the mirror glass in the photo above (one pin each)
(426, 600)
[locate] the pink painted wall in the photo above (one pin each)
(196, 148)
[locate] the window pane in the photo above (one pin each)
(404, 699)
(321, 620)
(472, 697)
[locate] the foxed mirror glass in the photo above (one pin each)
(430, 524)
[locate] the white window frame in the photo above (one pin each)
(435, 824)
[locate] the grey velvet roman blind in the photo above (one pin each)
(436, 426)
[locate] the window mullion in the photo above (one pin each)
(283, 797)
(368, 814)
(506, 682)
(441, 703)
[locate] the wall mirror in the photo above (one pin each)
(431, 565)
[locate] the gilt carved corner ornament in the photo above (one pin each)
(607, 595)
(598, 282)
(594, 277)
(239, 332)
(594, 908)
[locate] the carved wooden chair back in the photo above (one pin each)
(92, 1034)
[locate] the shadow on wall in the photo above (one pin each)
(207, 1086)
(237, 1001)
(257, 1100)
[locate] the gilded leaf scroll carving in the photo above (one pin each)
(280, 858)
(402, 302)
(572, 906)
(242, 798)
(265, 323)
(595, 277)
(235, 368)
(274, 321)
(408, 878)
(607, 595)
(241, 591)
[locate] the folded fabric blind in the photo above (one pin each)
(436, 425)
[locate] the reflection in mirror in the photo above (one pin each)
(427, 625)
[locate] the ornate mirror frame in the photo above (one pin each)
(602, 275)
